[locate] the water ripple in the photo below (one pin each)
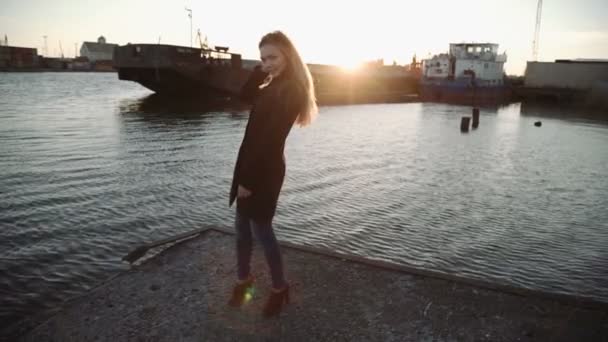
(102, 167)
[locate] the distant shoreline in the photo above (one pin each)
(55, 70)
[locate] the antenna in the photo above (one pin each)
(535, 42)
(190, 16)
(61, 49)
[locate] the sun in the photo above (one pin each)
(350, 68)
(350, 65)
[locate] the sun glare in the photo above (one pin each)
(349, 64)
(350, 67)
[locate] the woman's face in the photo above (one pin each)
(273, 60)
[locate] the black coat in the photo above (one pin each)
(260, 166)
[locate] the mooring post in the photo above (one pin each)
(475, 117)
(464, 123)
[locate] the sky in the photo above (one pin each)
(342, 32)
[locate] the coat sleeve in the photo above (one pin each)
(250, 90)
(269, 135)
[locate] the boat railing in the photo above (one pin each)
(502, 58)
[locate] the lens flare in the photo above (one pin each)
(249, 295)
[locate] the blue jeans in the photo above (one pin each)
(263, 230)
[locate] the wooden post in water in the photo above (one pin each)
(475, 117)
(464, 123)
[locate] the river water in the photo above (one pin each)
(92, 166)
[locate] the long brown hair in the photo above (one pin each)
(299, 71)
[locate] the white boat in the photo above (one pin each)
(469, 72)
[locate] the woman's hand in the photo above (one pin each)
(243, 192)
(266, 82)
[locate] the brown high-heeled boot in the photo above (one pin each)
(240, 291)
(275, 302)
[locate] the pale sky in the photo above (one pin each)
(331, 31)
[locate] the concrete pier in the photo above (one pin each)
(180, 294)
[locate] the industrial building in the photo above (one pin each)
(100, 51)
(577, 74)
(577, 80)
(12, 57)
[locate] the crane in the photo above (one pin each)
(535, 42)
(61, 49)
(46, 48)
(204, 44)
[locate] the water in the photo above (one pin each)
(92, 166)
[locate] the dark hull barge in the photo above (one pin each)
(218, 74)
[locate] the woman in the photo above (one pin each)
(282, 94)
